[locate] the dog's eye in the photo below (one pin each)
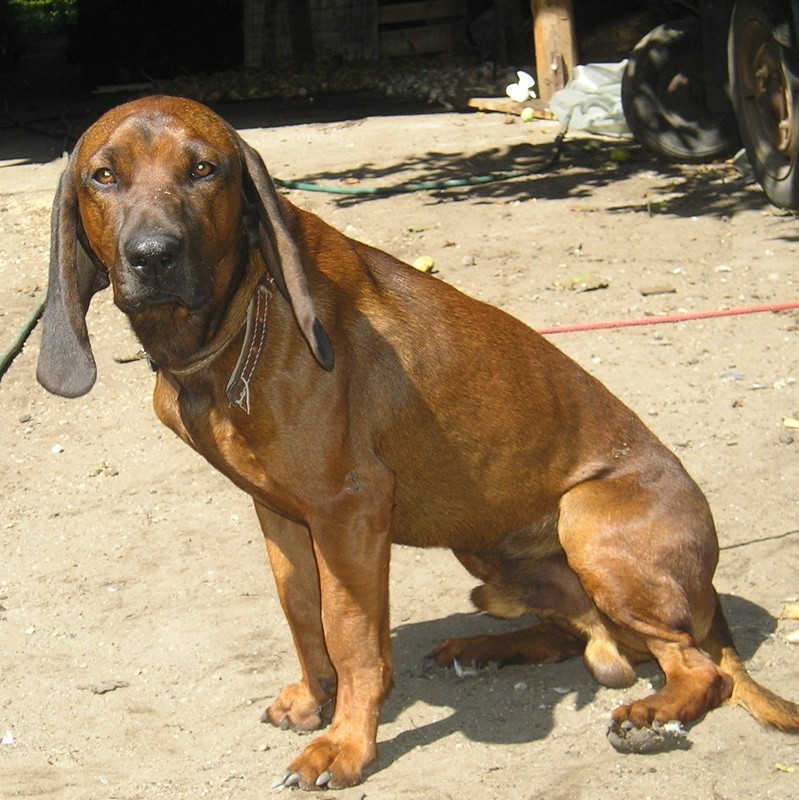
(104, 177)
(202, 169)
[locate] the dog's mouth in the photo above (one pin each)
(154, 300)
(131, 297)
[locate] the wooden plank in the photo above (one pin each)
(504, 105)
(555, 46)
(398, 13)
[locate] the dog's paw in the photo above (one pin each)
(659, 738)
(296, 709)
(328, 763)
(465, 656)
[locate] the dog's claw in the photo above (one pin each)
(323, 779)
(289, 779)
(278, 784)
(464, 672)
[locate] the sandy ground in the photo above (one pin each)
(140, 634)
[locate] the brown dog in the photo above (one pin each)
(441, 422)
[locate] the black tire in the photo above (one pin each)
(663, 97)
(764, 85)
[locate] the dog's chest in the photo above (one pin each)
(197, 420)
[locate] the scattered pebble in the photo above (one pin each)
(130, 357)
(56, 448)
(104, 469)
(732, 375)
(25, 418)
(104, 688)
(8, 738)
(589, 283)
(657, 288)
(521, 686)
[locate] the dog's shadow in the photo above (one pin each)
(515, 704)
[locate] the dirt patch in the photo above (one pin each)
(139, 629)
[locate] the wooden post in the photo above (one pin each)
(555, 46)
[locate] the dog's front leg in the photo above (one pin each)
(352, 547)
(300, 705)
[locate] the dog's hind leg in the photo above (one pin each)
(548, 587)
(645, 552)
(544, 643)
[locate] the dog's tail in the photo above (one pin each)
(765, 706)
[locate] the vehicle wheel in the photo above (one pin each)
(764, 84)
(663, 97)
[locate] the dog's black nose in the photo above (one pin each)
(152, 256)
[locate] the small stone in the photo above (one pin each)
(657, 288)
(25, 418)
(732, 375)
(589, 283)
(56, 448)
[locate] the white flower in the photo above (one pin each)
(523, 89)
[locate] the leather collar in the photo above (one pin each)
(255, 292)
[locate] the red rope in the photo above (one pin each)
(629, 323)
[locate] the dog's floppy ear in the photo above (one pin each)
(66, 364)
(282, 255)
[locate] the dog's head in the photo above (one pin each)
(163, 200)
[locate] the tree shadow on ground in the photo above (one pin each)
(584, 166)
